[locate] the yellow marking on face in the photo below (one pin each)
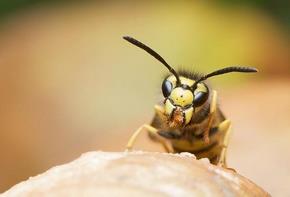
(169, 107)
(188, 114)
(200, 88)
(183, 80)
(181, 97)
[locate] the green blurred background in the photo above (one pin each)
(70, 84)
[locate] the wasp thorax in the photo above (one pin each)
(181, 97)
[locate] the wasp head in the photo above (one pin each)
(181, 99)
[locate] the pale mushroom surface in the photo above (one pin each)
(136, 174)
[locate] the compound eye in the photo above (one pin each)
(166, 88)
(200, 98)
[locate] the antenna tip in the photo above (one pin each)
(254, 70)
(248, 69)
(127, 38)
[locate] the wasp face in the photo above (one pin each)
(181, 100)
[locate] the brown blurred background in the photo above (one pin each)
(70, 84)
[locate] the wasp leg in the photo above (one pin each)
(159, 119)
(211, 116)
(159, 110)
(152, 131)
(225, 129)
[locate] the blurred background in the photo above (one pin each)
(69, 83)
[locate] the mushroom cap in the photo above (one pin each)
(137, 174)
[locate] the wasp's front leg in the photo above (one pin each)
(213, 106)
(152, 131)
(225, 129)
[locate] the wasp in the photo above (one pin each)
(190, 119)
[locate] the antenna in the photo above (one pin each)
(224, 71)
(154, 54)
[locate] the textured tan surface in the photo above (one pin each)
(136, 174)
